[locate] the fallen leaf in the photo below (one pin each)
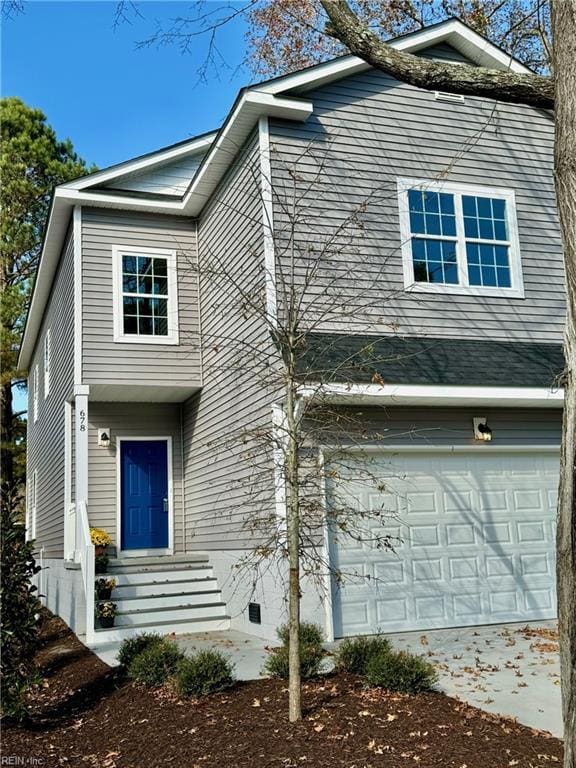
(256, 703)
(391, 717)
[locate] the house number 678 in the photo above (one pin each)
(82, 415)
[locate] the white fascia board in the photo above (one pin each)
(58, 223)
(252, 105)
(452, 396)
(122, 202)
(162, 157)
(469, 43)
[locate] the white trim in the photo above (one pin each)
(422, 394)
(69, 508)
(173, 314)
(516, 290)
(77, 236)
(249, 108)
(466, 41)
(47, 362)
(35, 392)
(161, 157)
(328, 580)
(144, 552)
(32, 514)
(268, 219)
(81, 426)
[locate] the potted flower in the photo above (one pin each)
(100, 539)
(104, 588)
(101, 563)
(106, 613)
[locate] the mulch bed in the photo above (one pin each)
(87, 715)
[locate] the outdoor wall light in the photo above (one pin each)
(104, 437)
(481, 429)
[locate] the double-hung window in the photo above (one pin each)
(145, 295)
(35, 388)
(459, 239)
(47, 352)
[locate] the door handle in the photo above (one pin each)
(165, 505)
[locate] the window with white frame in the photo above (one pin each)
(47, 364)
(145, 295)
(458, 238)
(32, 501)
(35, 377)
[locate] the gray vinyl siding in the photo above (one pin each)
(366, 131)
(424, 426)
(129, 420)
(105, 361)
(445, 52)
(46, 435)
(171, 179)
(221, 471)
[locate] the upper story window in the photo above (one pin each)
(47, 352)
(145, 295)
(35, 386)
(459, 239)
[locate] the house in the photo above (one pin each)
(133, 336)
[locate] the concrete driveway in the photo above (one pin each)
(508, 669)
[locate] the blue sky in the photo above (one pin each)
(112, 100)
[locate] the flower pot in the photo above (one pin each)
(100, 567)
(99, 549)
(106, 621)
(104, 594)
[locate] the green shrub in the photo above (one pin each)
(311, 652)
(354, 654)
(19, 607)
(310, 634)
(156, 663)
(203, 673)
(402, 672)
(133, 646)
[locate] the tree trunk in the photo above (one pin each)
(564, 53)
(293, 533)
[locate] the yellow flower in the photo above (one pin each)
(99, 537)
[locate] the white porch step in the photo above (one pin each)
(163, 600)
(162, 587)
(207, 624)
(145, 576)
(157, 560)
(167, 615)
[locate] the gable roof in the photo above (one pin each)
(279, 97)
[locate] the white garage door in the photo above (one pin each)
(475, 541)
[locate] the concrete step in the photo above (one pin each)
(162, 615)
(180, 599)
(148, 576)
(183, 626)
(138, 562)
(163, 587)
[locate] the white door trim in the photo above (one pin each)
(144, 552)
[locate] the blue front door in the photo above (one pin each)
(144, 494)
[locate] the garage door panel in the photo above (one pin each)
(474, 543)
